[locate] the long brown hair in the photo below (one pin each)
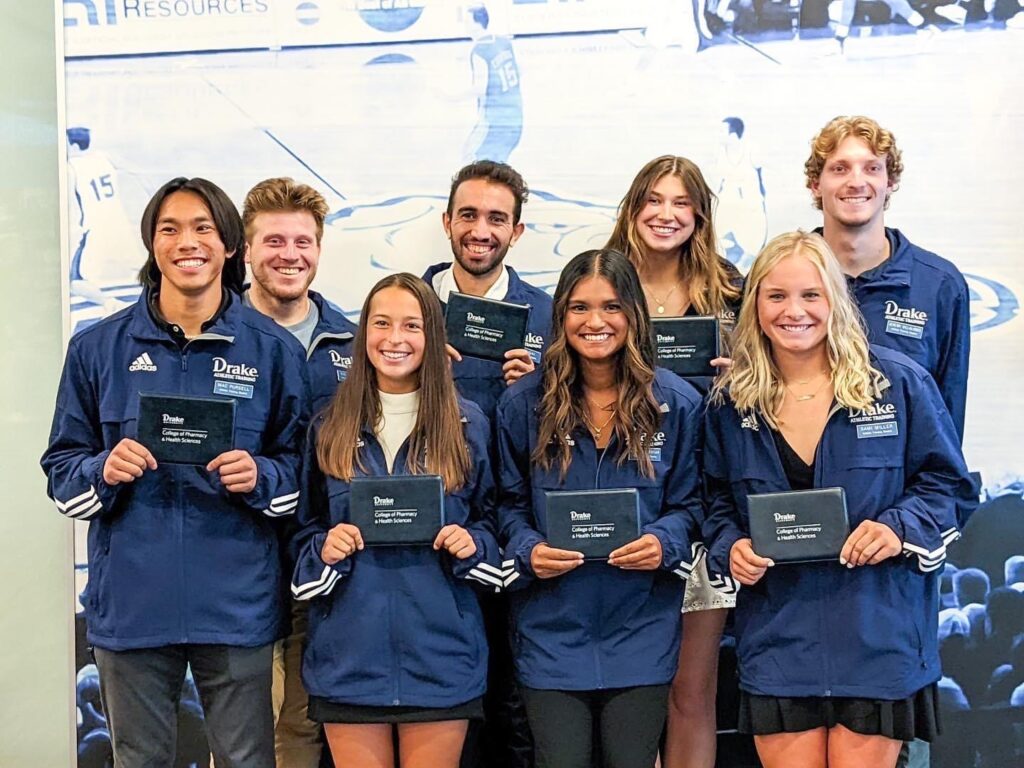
(560, 410)
(437, 444)
(707, 278)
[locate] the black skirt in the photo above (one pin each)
(915, 717)
(327, 711)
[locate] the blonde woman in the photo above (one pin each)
(838, 660)
(665, 227)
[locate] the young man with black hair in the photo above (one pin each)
(183, 559)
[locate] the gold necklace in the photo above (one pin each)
(594, 427)
(805, 398)
(661, 302)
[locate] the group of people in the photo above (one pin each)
(844, 364)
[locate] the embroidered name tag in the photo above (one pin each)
(233, 389)
(342, 373)
(654, 454)
(899, 328)
(878, 429)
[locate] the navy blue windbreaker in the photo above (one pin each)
(330, 351)
(599, 626)
(482, 380)
(822, 629)
(173, 556)
(396, 626)
(918, 303)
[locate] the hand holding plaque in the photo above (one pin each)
(643, 554)
(343, 540)
(485, 328)
(456, 541)
(126, 462)
(548, 562)
(687, 345)
(871, 543)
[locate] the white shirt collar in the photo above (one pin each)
(444, 283)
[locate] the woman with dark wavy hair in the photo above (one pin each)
(596, 642)
(666, 228)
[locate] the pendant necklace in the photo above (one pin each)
(594, 427)
(661, 302)
(805, 398)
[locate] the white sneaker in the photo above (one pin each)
(1016, 22)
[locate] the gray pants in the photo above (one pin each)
(140, 690)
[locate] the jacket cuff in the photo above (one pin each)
(929, 549)
(261, 498)
(477, 568)
(517, 569)
(313, 577)
(717, 559)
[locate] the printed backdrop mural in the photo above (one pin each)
(374, 104)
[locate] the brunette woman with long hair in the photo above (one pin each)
(838, 660)
(396, 639)
(596, 643)
(666, 228)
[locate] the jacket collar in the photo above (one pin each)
(146, 325)
(332, 324)
(894, 272)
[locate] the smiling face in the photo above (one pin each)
(667, 219)
(853, 186)
(283, 253)
(595, 323)
(480, 227)
(793, 308)
(395, 339)
(187, 247)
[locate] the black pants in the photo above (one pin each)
(625, 722)
(502, 739)
(141, 689)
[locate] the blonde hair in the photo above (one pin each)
(881, 142)
(707, 278)
(754, 383)
(283, 195)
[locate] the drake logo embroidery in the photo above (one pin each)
(222, 369)
(908, 322)
(534, 344)
(877, 420)
(234, 379)
(340, 361)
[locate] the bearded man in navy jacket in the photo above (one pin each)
(482, 222)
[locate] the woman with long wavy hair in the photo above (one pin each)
(666, 228)
(396, 639)
(595, 643)
(838, 659)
